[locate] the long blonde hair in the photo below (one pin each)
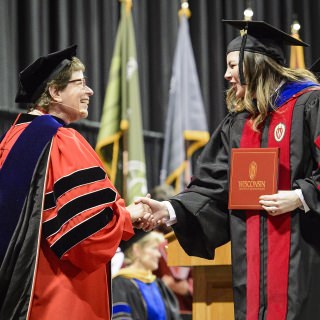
(263, 76)
(150, 237)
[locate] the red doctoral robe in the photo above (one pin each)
(83, 220)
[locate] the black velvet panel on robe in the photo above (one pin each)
(17, 269)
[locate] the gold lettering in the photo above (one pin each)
(252, 185)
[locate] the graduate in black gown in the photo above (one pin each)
(137, 293)
(275, 250)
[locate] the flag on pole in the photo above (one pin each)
(186, 127)
(296, 52)
(120, 142)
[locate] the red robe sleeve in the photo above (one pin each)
(84, 217)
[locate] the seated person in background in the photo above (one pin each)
(137, 293)
(178, 279)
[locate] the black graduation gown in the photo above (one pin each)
(275, 260)
(126, 292)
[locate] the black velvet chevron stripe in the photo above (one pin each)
(71, 181)
(82, 231)
(76, 179)
(76, 206)
(49, 201)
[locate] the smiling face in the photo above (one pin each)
(148, 255)
(232, 74)
(74, 98)
(70, 101)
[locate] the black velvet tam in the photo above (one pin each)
(138, 234)
(34, 78)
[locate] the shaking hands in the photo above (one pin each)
(147, 213)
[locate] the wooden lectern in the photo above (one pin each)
(212, 283)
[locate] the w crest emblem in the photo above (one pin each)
(279, 132)
(253, 168)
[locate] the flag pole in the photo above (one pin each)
(296, 52)
(185, 11)
(124, 126)
(125, 161)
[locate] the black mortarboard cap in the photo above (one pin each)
(138, 234)
(260, 37)
(34, 78)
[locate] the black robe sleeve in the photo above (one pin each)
(202, 209)
(310, 185)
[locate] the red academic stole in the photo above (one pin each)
(278, 237)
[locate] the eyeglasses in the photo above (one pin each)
(80, 80)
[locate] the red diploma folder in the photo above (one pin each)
(253, 172)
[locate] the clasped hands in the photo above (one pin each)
(147, 213)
